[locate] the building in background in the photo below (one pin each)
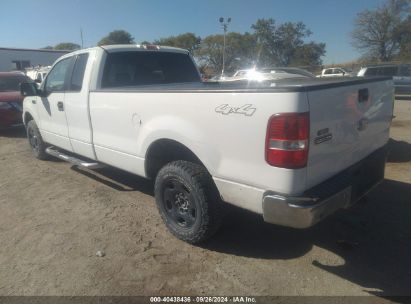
(13, 59)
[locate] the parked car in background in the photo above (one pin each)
(266, 74)
(336, 72)
(11, 99)
(290, 70)
(401, 74)
(38, 74)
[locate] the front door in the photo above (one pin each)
(51, 108)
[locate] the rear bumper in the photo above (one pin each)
(340, 191)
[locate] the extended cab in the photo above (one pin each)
(292, 150)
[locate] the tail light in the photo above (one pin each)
(287, 140)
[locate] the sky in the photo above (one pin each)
(39, 23)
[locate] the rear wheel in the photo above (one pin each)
(36, 142)
(188, 201)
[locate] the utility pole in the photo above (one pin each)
(81, 36)
(224, 25)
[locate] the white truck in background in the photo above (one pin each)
(292, 150)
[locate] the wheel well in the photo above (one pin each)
(164, 151)
(27, 117)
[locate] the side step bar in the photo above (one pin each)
(73, 160)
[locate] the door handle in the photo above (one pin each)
(60, 106)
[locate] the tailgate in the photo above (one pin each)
(347, 123)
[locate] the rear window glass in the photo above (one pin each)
(371, 72)
(11, 83)
(146, 68)
(388, 71)
(405, 71)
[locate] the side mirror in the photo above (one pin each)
(37, 80)
(28, 89)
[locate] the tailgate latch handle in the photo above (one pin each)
(363, 95)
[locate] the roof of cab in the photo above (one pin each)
(140, 47)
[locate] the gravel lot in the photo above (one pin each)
(54, 218)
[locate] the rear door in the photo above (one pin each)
(76, 105)
(53, 122)
(347, 123)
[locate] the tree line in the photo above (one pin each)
(381, 35)
(269, 44)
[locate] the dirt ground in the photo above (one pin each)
(54, 218)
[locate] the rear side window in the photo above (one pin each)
(147, 68)
(405, 71)
(11, 83)
(371, 72)
(388, 71)
(78, 73)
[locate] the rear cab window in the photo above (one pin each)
(137, 68)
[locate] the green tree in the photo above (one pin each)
(239, 52)
(284, 44)
(67, 46)
(188, 41)
(377, 32)
(117, 37)
(308, 54)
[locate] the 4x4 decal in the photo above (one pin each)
(246, 110)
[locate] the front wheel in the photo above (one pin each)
(188, 201)
(38, 146)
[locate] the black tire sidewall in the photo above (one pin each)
(40, 153)
(195, 200)
(178, 171)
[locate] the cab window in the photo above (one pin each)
(78, 73)
(57, 78)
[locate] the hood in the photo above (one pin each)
(11, 96)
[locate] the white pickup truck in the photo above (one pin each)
(292, 150)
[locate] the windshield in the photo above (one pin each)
(11, 83)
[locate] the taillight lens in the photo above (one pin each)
(287, 140)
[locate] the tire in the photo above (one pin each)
(188, 201)
(37, 145)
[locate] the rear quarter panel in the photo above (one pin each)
(231, 145)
